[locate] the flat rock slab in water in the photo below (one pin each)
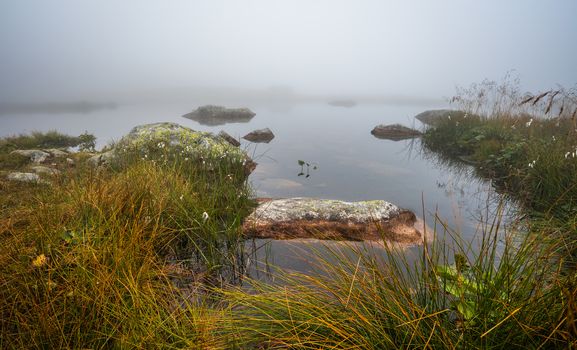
(395, 132)
(219, 115)
(331, 219)
(259, 136)
(434, 117)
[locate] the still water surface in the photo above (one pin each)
(350, 163)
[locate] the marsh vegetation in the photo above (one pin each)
(149, 252)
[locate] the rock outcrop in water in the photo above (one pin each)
(434, 117)
(395, 132)
(219, 115)
(161, 141)
(331, 219)
(259, 136)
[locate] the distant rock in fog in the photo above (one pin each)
(343, 103)
(218, 115)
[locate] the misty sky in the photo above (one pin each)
(76, 48)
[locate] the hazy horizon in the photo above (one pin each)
(421, 50)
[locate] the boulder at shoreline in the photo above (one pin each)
(435, 116)
(394, 132)
(332, 219)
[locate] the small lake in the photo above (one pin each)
(351, 164)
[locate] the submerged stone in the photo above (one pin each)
(218, 115)
(331, 219)
(395, 132)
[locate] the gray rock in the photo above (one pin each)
(56, 152)
(394, 132)
(331, 219)
(434, 117)
(70, 161)
(40, 169)
(24, 177)
(218, 115)
(229, 138)
(36, 156)
(259, 136)
(100, 159)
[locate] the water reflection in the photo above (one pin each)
(352, 165)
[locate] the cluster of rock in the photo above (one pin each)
(217, 115)
(275, 219)
(38, 157)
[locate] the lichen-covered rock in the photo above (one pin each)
(259, 136)
(56, 152)
(434, 117)
(218, 115)
(24, 177)
(40, 169)
(331, 219)
(105, 158)
(395, 132)
(166, 141)
(35, 155)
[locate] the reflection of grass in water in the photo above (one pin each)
(370, 301)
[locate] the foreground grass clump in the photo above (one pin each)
(499, 298)
(119, 258)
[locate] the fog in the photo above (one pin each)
(384, 51)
